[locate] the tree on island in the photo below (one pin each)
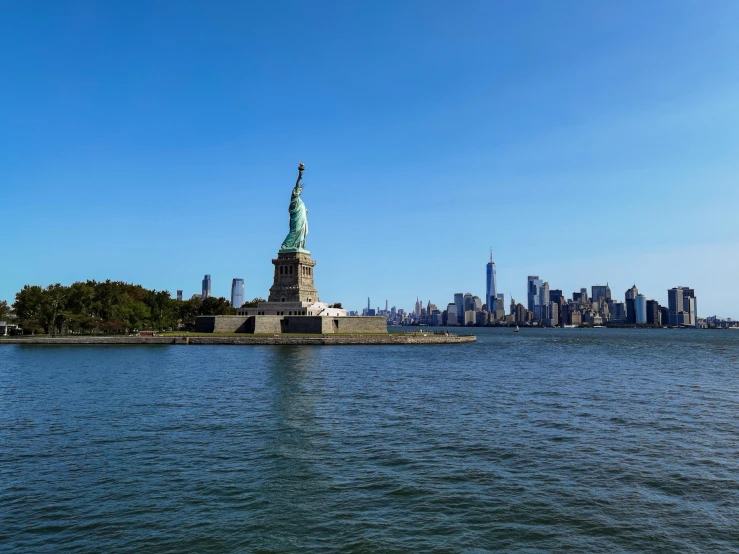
(5, 311)
(336, 305)
(107, 307)
(253, 303)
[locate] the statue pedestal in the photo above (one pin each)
(293, 280)
(293, 292)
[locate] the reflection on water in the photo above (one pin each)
(590, 441)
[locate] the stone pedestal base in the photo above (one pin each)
(293, 280)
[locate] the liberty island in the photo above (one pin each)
(292, 313)
(293, 306)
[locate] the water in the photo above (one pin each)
(550, 440)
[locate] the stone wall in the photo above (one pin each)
(266, 324)
(223, 324)
(271, 324)
(351, 325)
(303, 324)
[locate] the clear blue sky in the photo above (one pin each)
(586, 142)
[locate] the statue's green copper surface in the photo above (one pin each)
(295, 239)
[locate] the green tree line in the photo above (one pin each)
(108, 307)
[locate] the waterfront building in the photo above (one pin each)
(533, 287)
(553, 319)
(618, 312)
(640, 309)
(179, 295)
(600, 291)
(654, 313)
(630, 297)
(664, 313)
(468, 302)
(675, 304)
(499, 306)
(690, 307)
(237, 292)
(451, 314)
(575, 318)
(459, 303)
(206, 288)
(541, 311)
(491, 288)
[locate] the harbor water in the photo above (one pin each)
(600, 440)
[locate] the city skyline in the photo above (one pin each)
(592, 128)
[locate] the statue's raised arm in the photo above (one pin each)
(295, 239)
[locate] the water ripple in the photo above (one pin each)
(559, 440)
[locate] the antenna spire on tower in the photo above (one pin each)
(491, 254)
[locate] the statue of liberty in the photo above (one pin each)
(295, 239)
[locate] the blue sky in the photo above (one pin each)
(586, 142)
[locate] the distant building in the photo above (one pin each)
(500, 306)
(206, 288)
(682, 307)
(640, 305)
(630, 297)
(665, 315)
(542, 311)
(690, 307)
(521, 313)
(459, 303)
(580, 297)
(491, 289)
(237, 293)
(618, 312)
(654, 313)
(533, 285)
(179, 295)
(575, 318)
(600, 291)
(553, 319)
(555, 295)
(451, 314)
(469, 304)
(538, 297)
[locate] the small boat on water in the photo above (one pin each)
(516, 330)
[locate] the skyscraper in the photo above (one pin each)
(179, 295)
(206, 288)
(491, 288)
(640, 308)
(600, 291)
(533, 285)
(543, 307)
(630, 298)
(451, 314)
(499, 306)
(237, 293)
(653, 313)
(459, 304)
(675, 305)
(689, 306)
